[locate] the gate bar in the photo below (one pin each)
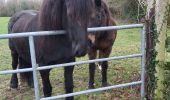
(88, 61)
(16, 71)
(119, 27)
(70, 64)
(59, 32)
(107, 28)
(92, 90)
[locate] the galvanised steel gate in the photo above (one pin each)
(35, 68)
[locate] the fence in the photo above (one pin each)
(34, 68)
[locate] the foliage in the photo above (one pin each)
(167, 65)
(130, 10)
(11, 6)
(121, 9)
(127, 9)
(151, 53)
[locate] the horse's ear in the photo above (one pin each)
(98, 3)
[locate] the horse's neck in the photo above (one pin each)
(50, 17)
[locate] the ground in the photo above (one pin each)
(120, 71)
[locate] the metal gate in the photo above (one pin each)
(35, 68)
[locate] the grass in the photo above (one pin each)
(3, 24)
(120, 71)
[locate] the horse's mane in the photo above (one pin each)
(50, 17)
(79, 8)
(110, 19)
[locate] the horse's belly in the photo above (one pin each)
(103, 44)
(21, 45)
(51, 50)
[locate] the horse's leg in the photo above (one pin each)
(68, 76)
(30, 80)
(92, 55)
(29, 76)
(26, 76)
(14, 79)
(47, 88)
(104, 54)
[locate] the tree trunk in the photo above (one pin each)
(150, 51)
(161, 16)
(156, 25)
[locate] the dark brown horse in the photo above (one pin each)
(70, 15)
(101, 41)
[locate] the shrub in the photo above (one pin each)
(11, 6)
(130, 10)
(126, 9)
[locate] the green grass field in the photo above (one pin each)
(120, 71)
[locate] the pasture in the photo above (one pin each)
(119, 71)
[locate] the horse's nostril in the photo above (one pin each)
(79, 50)
(81, 53)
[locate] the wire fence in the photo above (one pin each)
(35, 68)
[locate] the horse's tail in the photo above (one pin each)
(10, 25)
(14, 53)
(13, 20)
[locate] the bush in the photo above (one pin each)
(126, 9)
(121, 9)
(11, 7)
(130, 10)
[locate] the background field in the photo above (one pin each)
(120, 71)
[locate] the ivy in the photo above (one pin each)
(151, 53)
(165, 66)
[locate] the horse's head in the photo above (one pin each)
(100, 16)
(78, 14)
(72, 16)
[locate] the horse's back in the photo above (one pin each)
(24, 21)
(20, 21)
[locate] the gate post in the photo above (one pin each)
(34, 66)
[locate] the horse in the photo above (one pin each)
(100, 41)
(70, 15)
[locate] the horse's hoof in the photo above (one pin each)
(30, 82)
(14, 85)
(69, 98)
(105, 84)
(91, 87)
(47, 91)
(31, 85)
(47, 95)
(14, 90)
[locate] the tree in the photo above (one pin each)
(157, 74)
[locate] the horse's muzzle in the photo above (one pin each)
(79, 51)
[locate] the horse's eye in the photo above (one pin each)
(98, 17)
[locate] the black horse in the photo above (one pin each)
(70, 15)
(102, 41)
